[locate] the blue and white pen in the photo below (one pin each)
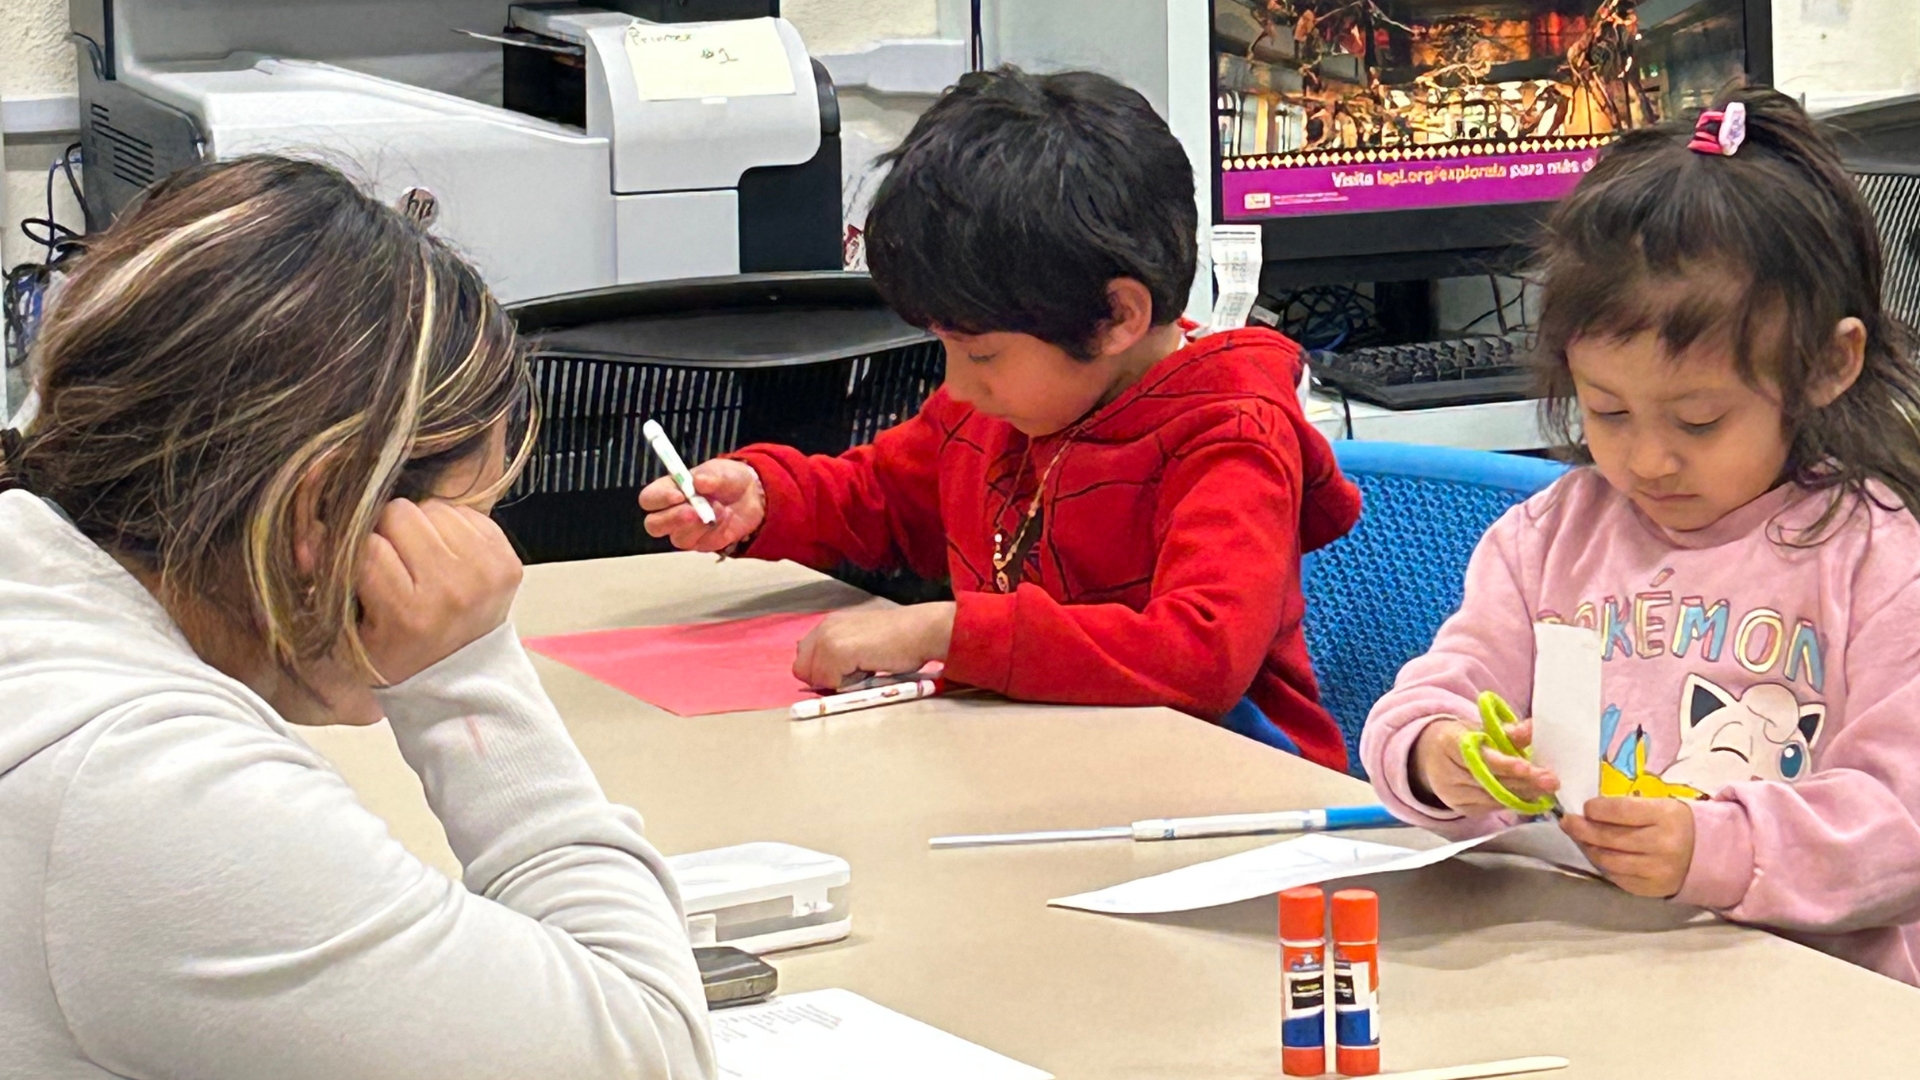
(1192, 828)
(656, 437)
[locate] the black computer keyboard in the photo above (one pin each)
(1467, 371)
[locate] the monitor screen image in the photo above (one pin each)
(1359, 106)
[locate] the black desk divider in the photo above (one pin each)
(813, 360)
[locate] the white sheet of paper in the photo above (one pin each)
(674, 62)
(839, 1035)
(1566, 709)
(1542, 841)
(1309, 860)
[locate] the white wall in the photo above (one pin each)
(1843, 52)
(838, 26)
(870, 123)
(35, 61)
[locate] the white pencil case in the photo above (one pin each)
(764, 897)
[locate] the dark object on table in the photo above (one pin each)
(1425, 375)
(733, 977)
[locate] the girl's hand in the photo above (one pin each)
(856, 643)
(739, 506)
(434, 577)
(1438, 771)
(1645, 846)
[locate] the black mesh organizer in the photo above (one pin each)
(813, 360)
(1880, 142)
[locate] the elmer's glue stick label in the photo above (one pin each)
(1303, 972)
(1356, 982)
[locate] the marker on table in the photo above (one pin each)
(663, 449)
(1282, 821)
(835, 704)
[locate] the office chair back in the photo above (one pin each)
(1376, 597)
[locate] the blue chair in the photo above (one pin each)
(1376, 597)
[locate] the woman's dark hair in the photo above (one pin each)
(253, 338)
(1763, 252)
(1017, 198)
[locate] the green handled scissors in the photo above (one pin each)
(1495, 715)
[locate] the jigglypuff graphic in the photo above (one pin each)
(1764, 734)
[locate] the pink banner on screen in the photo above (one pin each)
(1402, 185)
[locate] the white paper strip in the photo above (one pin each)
(1566, 710)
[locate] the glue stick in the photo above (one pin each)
(1303, 994)
(1356, 982)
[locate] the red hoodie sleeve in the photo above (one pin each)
(1228, 525)
(876, 506)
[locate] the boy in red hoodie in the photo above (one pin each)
(1121, 510)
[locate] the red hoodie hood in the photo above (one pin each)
(1238, 364)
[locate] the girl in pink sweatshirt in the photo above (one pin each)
(1714, 343)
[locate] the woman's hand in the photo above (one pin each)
(1439, 769)
(856, 643)
(1645, 846)
(434, 577)
(732, 487)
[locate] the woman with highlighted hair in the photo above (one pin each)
(273, 417)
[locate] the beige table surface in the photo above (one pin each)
(1483, 958)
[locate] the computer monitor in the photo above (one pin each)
(1391, 140)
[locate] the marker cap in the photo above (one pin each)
(1303, 914)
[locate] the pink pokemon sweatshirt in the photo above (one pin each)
(1776, 686)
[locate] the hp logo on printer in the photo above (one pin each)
(419, 204)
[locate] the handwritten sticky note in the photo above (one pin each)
(694, 669)
(676, 62)
(1566, 709)
(1235, 251)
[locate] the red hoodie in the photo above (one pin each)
(1164, 566)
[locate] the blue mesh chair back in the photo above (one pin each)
(1376, 597)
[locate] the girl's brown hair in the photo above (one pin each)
(257, 340)
(1765, 252)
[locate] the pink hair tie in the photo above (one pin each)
(1720, 133)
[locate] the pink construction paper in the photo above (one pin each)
(694, 669)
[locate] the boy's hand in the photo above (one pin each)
(1439, 769)
(851, 643)
(739, 506)
(434, 577)
(1645, 846)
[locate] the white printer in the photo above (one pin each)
(561, 146)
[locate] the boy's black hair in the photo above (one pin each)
(1017, 198)
(1763, 252)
